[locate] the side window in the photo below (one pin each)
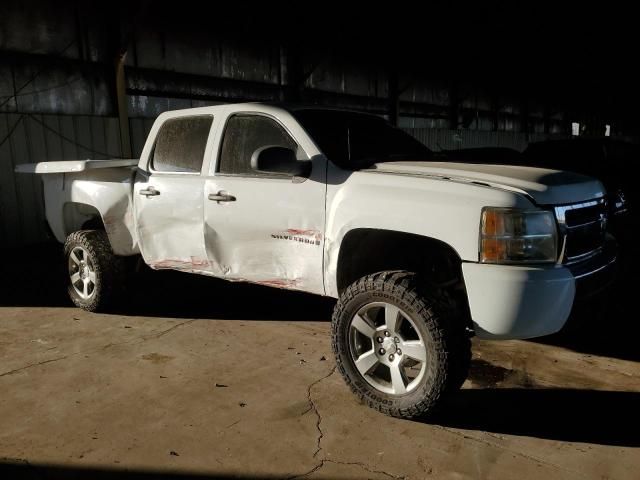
(244, 134)
(180, 144)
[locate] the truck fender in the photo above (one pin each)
(74, 201)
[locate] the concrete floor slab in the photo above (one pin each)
(206, 379)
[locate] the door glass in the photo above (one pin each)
(243, 136)
(180, 144)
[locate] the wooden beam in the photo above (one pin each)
(123, 113)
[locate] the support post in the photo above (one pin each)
(121, 96)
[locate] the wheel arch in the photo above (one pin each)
(364, 251)
(81, 216)
(117, 223)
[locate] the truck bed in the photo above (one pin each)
(68, 166)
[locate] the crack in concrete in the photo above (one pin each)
(142, 338)
(11, 372)
(306, 474)
(368, 469)
(364, 466)
(164, 332)
(313, 407)
(514, 452)
(232, 424)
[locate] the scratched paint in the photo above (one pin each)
(280, 283)
(305, 233)
(105, 189)
(309, 237)
(193, 263)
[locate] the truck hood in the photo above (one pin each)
(546, 187)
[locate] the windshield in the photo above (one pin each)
(354, 140)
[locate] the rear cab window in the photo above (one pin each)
(180, 144)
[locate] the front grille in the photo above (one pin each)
(582, 229)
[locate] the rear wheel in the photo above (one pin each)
(397, 345)
(95, 275)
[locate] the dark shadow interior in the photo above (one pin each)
(22, 470)
(32, 276)
(587, 416)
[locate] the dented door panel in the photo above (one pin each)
(168, 193)
(169, 223)
(73, 199)
(271, 234)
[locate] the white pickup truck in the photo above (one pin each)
(420, 253)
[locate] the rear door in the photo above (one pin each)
(260, 227)
(168, 196)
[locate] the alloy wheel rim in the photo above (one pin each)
(82, 272)
(387, 349)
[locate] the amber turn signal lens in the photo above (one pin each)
(493, 222)
(511, 236)
(493, 250)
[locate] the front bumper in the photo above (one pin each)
(511, 302)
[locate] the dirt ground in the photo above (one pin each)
(199, 378)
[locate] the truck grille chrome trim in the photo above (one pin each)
(582, 229)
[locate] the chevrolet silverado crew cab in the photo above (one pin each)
(419, 254)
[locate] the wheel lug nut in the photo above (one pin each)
(399, 352)
(386, 334)
(396, 339)
(391, 357)
(379, 339)
(382, 351)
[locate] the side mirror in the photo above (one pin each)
(274, 159)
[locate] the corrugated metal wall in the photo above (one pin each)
(30, 138)
(58, 97)
(444, 139)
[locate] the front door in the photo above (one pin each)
(264, 228)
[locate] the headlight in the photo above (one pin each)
(509, 235)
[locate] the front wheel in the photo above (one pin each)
(396, 345)
(95, 276)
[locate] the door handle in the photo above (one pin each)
(149, 192)
(221, 196)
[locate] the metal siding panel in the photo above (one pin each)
(40, 138)
(112, 136)
(37, 152)
(7, 100)
(44, 27)
(53, 142)
(83, 137)
(24, 184)
(136, 126)
(98, 140)
(10, 229)
(68, 129)
(444, 139)
(140, 128)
